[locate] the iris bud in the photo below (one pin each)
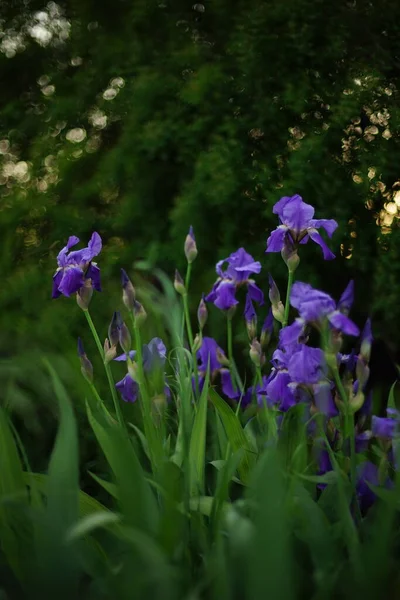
(113, 329)
(84, 295)
(202, 313)
(124, 338)
(86, 365)
(140, 313)
(190, 247)
(128, 291)
(110, 352)
(179, 284)
(256, 354)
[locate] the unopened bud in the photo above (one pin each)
(336, 340)
(222, 358)
(110, 352)
(197, 342)
(366, 341)
(357, 401)
(125, 338)
(179, 283)
(86, 365)
(113, 328)
(291, 258)
(202, 313)
(267, 329)
(190, 246)
(251, 327)
(256, 354)
(230, 312)
(273, 293)
(133, 369)
(331, 360)
(140, 313)
(84, 295)
(278, 310)
(128, 291)
(362, 372)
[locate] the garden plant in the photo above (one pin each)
(230, 471)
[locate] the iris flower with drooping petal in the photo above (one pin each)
(314, 306)
(75, 267)
(154, 355)
(241, 266)
(298, 226)
(210, 354)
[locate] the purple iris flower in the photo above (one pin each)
(75, 267)
(368, 472)
(154, 355)
(314, 306)
(362, 441)
(307, 365)
(366, 341)
(267, 329)
(241, 266)
(278, 389)
(298, 226)
(386, 428)
(346, 299)
(260, 393)
(323, 460)
(211, 354)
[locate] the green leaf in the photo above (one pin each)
(136, 499)
(87, 504)
(271, 558)
(148, 571)
(58, 565)
(312, 527)
(14, 528)
(197, 447)
(143, 440)
(235, 434)
(391, 399)
(107, 485)
(101, 519)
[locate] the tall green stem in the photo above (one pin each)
(151, 433)
(234, 372)
(107, 369)
(287, 303)
(186, 313)
(349, 430)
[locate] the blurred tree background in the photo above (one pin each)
(139, 118)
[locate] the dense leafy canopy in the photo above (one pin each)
(139, 119)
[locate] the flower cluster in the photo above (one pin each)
(306, 367)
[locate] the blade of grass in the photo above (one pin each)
(235, 434)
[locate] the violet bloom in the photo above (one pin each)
(258, 391)
(212, 356)
(315, 306)
(154, 355)
(75, 267)
(307, 365)
(278, 386)
(346, 299)
(250, 318)
(298, 226)
(368, 473)
(241, 266)
(267, 329)
(386, 428)
(362, 441)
